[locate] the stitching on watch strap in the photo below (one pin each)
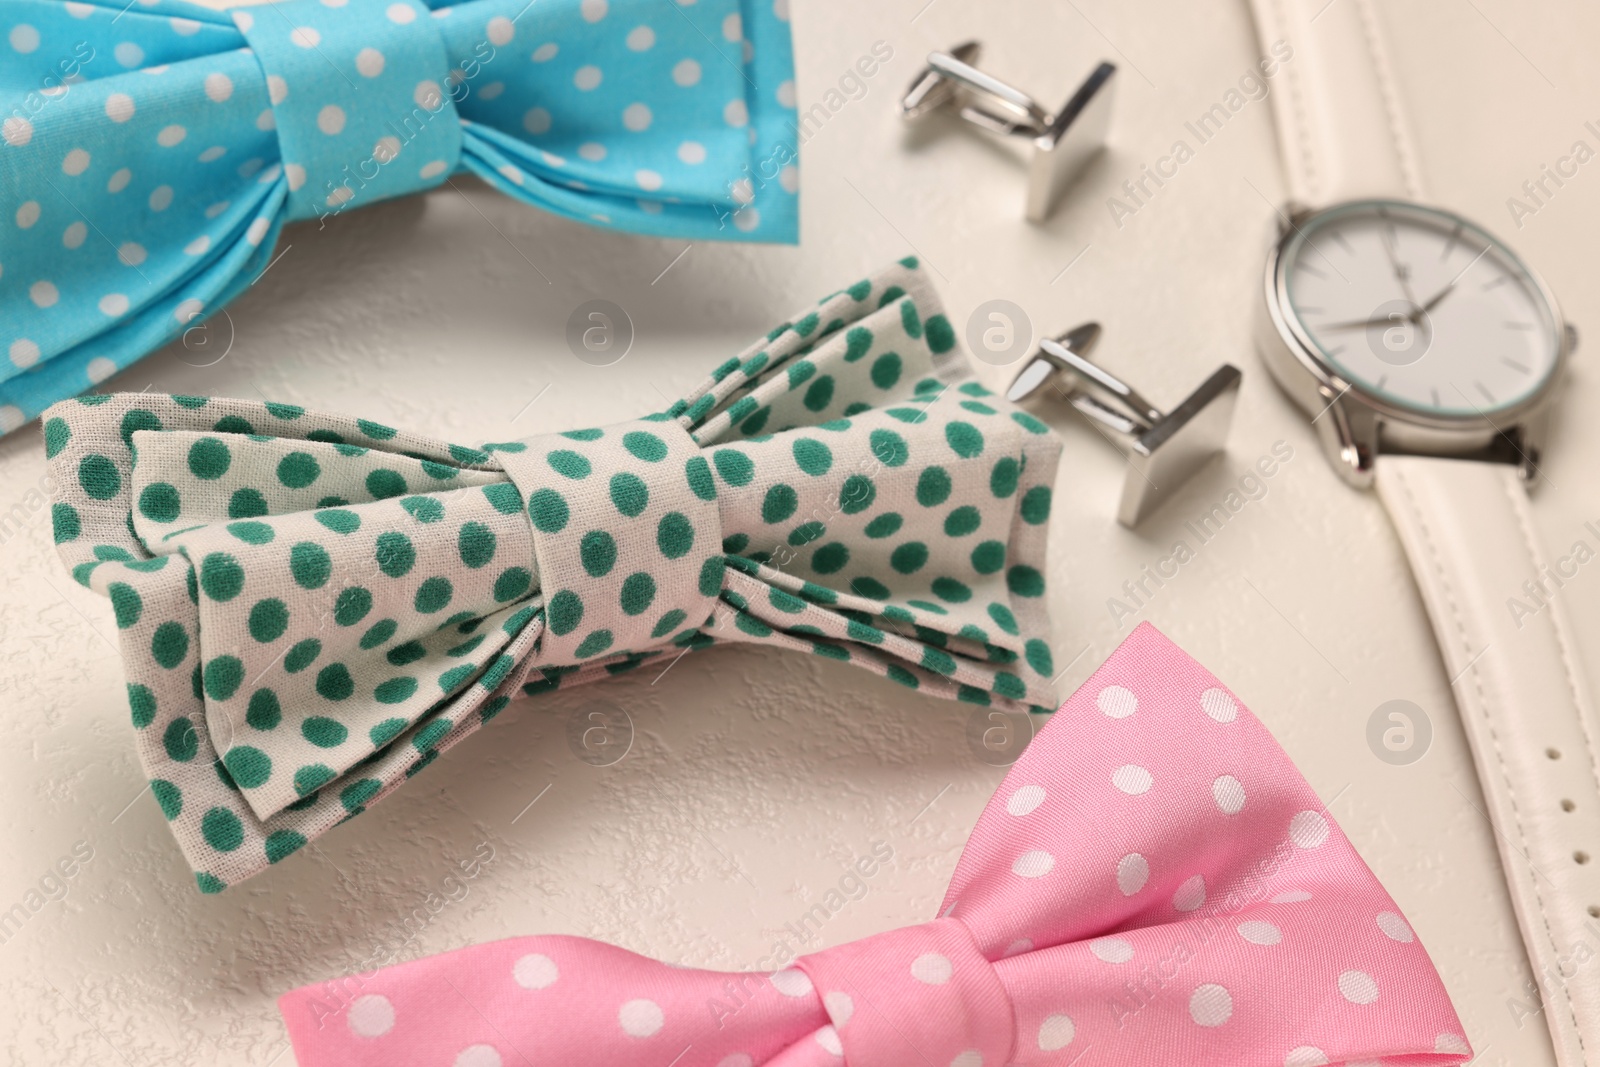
(1404, 152)
(1520, 510)
(1310, 172)
(1425, 532)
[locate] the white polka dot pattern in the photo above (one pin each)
(1056, 1032)
(1132, 779)
(327, 107)
(371, 1016)
(1034, 864)
(1204, 942)
(840, 1007)
(1117, 702)
(828, 1038)
(641, 1018)
(1025, 800)
(1308, 829)
(1228, 792)
(931, 969)
(1111, 949)
(792, 983)
(478, 1056)
(1219, 705)
(535, 971)
(1394, 927)
(1133, 871)
(1259, 932)
(1358, 987)
(1210, 1005)
(1190, 895)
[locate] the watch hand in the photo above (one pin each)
(1433, 301)
(1355, 323)
(1445, 291)
(1390, 250)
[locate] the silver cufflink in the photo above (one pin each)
(1163, 448)
(1062, 142)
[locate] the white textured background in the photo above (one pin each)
(754, 778)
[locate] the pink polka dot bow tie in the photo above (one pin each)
(1153, 883)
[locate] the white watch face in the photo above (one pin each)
(1420, 308)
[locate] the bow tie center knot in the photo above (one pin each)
(924, 994)
(363, 99)
(627, 536)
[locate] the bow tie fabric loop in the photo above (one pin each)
(932, 974)
(344, 142)
(311, 608)
(627, 534)
(1153, 882)
(151, 155)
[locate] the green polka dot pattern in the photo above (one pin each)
(640, 505)
(311, 608)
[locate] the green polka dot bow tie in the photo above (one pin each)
(311, 607)
(151, 152)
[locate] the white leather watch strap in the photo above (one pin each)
(1527, 712)
(1341, 129)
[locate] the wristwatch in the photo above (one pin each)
(1427, 355)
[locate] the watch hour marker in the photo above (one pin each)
(1388, 228)
(1497, 282)
(1485, 391)
(1450, 245)
(1310, 311)
(1309, 269)
(1435, 393)
(1343, 243)
(1518, 325)
(1521, 368)
(1331, 352)
(1382, 380)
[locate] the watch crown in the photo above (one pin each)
(1570, 334)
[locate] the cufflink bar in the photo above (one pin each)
(1063, 142)
(1163, 448)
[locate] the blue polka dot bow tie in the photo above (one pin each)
(150, 152)
(311, 607)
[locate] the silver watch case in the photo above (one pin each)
(1355, 426)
